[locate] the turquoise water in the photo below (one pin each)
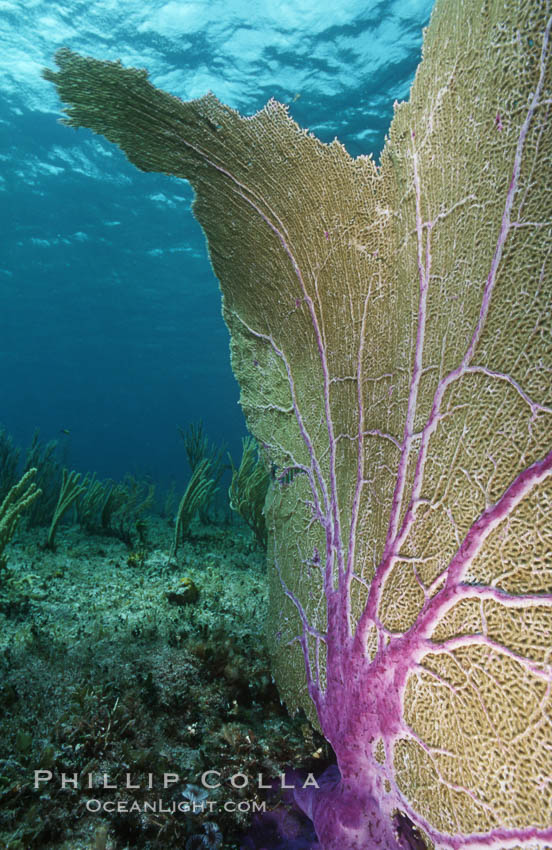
(110, 324)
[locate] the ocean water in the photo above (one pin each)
(110, 321)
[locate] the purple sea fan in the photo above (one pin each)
(283, 826)
(412, 392)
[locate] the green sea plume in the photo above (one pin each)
(17, 500)
(248, 489)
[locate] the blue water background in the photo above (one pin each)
(110, 320)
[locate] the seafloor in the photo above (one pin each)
(111, 663)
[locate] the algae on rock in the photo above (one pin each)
(391, 334)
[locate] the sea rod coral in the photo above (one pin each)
(391, 333)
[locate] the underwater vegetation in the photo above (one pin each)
(117, 659)
(248, 490)
(391, 333)
(198, 449)
(113, 509)
(18, 498)
(198, 493)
